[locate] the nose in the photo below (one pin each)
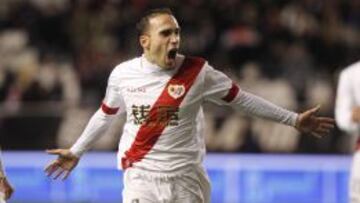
(174, 39)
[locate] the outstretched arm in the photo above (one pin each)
(68, 158)
(221, 90)
(306, 122)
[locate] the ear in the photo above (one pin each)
(144, 41)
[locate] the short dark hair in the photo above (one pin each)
(143, 24)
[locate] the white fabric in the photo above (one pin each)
(348, 96)
(189, 185)
(96, 127)
(218, 83)
(254, 105)
(138, 83)
(100, 121)
(354, 184)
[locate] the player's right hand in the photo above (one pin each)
(63, 165)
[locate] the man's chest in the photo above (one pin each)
(160, 99)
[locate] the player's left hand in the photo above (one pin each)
(308, 122)
(6, 187)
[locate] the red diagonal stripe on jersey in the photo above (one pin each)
(149, 134)
(232, 93)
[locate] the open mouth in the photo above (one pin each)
(172, 53)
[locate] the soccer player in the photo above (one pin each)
(162, 92)
(6, 189)
(347, 115)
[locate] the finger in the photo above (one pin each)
(66, 174)
(326, 120)
(323, 131)
(52, 168)
(327, 125)
(8, 193)
(315, 134)
(314, 110)
(54, 151)
(310, 113)
(11, 192)
(54, 173)
(58, 173)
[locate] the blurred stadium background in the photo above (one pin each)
(56, 56)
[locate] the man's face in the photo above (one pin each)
(161, 40)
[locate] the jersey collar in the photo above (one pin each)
(149, 67)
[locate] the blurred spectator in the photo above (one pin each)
(271, 137)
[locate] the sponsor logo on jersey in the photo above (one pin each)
(136, 89)
(176, 91)
(163, 115)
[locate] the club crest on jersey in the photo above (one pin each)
(176, 91)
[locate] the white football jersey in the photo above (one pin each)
(164, 125)
(163, 108)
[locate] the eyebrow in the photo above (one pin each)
(170, 30)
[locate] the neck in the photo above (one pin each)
(152, 60)
(149, 58)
